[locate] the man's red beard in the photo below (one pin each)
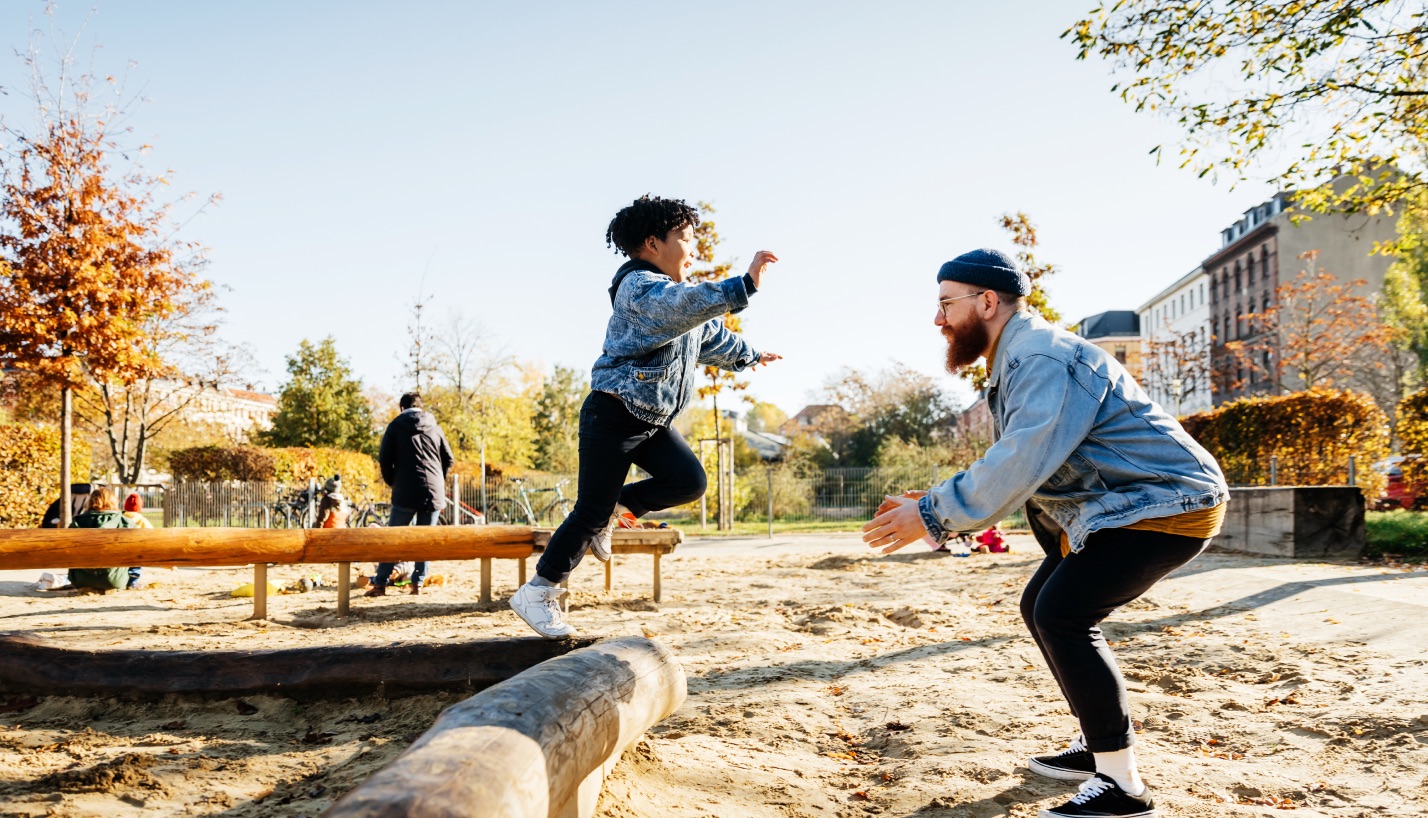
(965, 343)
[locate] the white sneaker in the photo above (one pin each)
(600, 548)
(539, 606)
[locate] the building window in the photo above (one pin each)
(1121, 354)
(1250, 271)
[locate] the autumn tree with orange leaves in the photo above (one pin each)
(1023, 235)
(1318, 333)
(93, 283)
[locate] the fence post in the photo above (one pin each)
(485, 509)
(936, 474)
(456, 499)
(770, 478)
(1353, 472)
(1274, 470)
(311, 499)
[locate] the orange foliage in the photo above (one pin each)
(87, 270)
(1311, 434)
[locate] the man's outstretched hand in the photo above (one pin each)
(767, 358)
(899, 525)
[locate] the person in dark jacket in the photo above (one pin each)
(103, 512)
(415, 459)
(78, 502)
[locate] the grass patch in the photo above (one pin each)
(1398, 533)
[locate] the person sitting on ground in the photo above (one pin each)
(334, 509)
(103, 512)
(134, 513)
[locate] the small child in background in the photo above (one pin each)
(333, 510)
(134, 513)
(991, 541)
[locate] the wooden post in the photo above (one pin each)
(609, 571)
(260, 590)
(565, 598)
(485, 579)
(522, 571)
(344, 588)
(66, 437)
(534, 746)
(656, 576)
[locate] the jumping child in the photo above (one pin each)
(660, 335)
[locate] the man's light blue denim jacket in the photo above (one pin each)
(1078, 436)
(659, 336)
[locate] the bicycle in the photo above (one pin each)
(517, 510)
(368, 513)
(291, 510)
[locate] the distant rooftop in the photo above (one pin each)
(1253, 218)
(1109, 324)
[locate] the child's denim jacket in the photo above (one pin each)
(1076, 434)
(661, 334)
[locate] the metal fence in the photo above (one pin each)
(832, 497)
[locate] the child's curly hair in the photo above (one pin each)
(648, 216)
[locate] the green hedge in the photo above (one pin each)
(29, 471)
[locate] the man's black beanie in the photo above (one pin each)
(986, 268)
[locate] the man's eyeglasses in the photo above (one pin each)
(942, 305)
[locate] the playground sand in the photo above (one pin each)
(823, 681)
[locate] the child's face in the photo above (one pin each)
(674, 254)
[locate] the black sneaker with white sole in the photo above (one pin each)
(1100, 797)
(1073, 764)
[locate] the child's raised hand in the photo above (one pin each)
(761, 262)
(767, 357)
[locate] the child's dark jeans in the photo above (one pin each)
(611, 439)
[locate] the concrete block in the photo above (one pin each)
(1301, 522)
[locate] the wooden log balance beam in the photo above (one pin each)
(33, 665)
(657, 542)
(538, 745)
(107, 547)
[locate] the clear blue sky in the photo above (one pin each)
(865, 143)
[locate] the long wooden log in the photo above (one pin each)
(538, 745)
(33, 665)
(104, 547)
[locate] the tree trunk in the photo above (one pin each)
(66, 440)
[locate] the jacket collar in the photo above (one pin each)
(1010, 330)
(627, 268)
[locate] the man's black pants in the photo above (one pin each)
(1064, 604)
(611, 439)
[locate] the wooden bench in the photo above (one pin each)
(653, 541)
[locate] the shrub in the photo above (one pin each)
(1311, 434)
(29, 471)
(214, 463)
(293, 466)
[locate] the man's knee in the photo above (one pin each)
(1058, 615)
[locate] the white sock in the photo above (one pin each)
(1119, 766)
(542, 582)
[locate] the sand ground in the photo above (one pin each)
(823, 681)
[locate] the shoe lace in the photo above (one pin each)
(552, 607)
(1077, 746)
(1090, 788)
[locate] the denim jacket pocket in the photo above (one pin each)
(649, 374)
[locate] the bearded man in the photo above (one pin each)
(1117, 494)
